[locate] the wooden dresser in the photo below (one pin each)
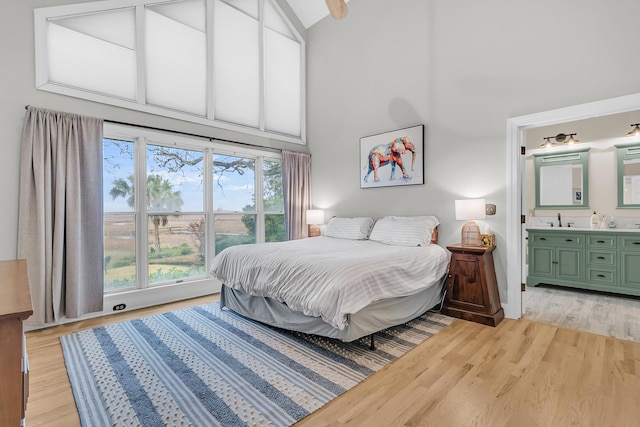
(15, 308)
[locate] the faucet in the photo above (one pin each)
(559, 220)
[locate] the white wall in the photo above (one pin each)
(462, 68)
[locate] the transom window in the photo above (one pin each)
(172, 202)
(235, 64)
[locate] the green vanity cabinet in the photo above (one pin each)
(598, 260)
(630, 263)
(556, 257)
(601, 254)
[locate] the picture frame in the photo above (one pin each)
(394, 158)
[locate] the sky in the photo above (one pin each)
(233, 194)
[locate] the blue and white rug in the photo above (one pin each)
(203, 366)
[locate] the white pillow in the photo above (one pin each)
(349, 228)
(404, 230)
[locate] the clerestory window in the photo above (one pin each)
(235, 64)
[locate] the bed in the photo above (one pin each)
(360, 277)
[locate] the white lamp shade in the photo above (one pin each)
(315, 216)
(470, 209)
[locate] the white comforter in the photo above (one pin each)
(328, 277)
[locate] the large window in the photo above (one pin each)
(236, 64)
(172, 202)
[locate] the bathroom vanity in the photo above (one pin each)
(597, 259)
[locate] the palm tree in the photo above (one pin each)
(160, 198)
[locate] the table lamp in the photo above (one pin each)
(314, 218)
(469, 210)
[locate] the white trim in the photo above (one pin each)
(157, 295)
(142, 230)
(209, 9)
(262, 120)
(141, 56)
(515, 139)
(150, 297)
(104, 99)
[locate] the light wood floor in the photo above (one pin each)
(521, 373)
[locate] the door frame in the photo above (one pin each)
(516, 128)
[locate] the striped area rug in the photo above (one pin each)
(203, 366)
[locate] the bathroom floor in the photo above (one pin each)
(601, 313)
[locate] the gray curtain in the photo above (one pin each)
(296, 179)
(60, 213)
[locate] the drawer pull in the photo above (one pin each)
(636, 243)
(568, 240)
(600, 241)
(600, 257)
(543, 238)
(601, 275)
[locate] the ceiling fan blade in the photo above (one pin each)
(337, 8)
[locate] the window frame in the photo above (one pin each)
(42, 15)
(141, 137)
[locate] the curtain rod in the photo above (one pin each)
(210, 138)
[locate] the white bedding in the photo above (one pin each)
(328, 277)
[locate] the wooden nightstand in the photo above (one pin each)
(472, 289)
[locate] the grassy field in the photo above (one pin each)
(179, 247)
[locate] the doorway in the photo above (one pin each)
(515, 180)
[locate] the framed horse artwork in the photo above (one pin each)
(392, 158)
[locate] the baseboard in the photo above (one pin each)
(142, 298)
(508, 311)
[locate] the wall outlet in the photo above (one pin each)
(490, 209)
(119, 307)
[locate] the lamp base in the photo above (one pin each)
(471, 234)
(314, 230)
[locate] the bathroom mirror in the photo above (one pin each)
(628, 176)
(562, 180)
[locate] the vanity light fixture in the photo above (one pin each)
(571, 140)
(635, 131)
(547, 143)
(561, 138)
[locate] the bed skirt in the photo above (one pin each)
(373, 318)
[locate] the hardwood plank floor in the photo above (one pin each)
(521, 373)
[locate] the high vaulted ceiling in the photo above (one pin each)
(309, 11)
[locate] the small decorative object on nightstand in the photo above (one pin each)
(488, 239)
(472, 288)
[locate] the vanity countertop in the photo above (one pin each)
(590, 230)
